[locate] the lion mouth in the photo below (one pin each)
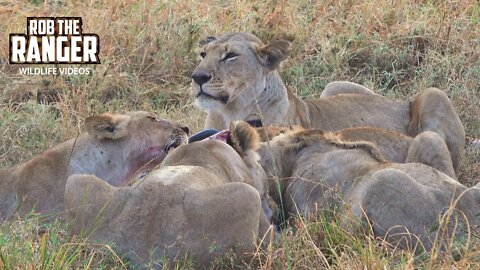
(222, 98)
(174, 143)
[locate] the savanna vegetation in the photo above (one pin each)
(147, 50)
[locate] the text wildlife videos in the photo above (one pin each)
(54, 40)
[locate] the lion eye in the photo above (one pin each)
(229, 56)
(203, 54)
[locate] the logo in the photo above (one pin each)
(54, 40)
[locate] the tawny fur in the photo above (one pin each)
(116, 147)
(107, 126)
(244, 137)
(250, 84)
(203, 194)
(317, 171)
(427, 148)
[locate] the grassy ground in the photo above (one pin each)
(396, 48)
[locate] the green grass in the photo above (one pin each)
(31, 243)
(396, 48)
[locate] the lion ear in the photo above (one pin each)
(243, 137)
(205, 41)
(272, 54)
(107, 126)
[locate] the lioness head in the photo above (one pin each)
(233, 70)
(115, 148)
(135, 139)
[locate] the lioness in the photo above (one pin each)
(115, 147)
(237, 79)
(319, 171)
(427, 148)
(203, 200)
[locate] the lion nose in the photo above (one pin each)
(185, 129)
(201, 77)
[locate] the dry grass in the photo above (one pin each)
(394, 47)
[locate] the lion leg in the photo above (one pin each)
(475, 191)
(430, 149)
(469, 202)
(432, 110)
(399, 209)
(225, 217)
(266, 229)
(345, 87)
(9, 199)
(86, 198)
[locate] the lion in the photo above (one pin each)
(238, 79)
(427, 148)
(115, 148)
(319, 171)
(203, 200)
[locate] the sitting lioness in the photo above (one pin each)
(319, 171)
(115, 148)
(237, 79)
(203, 200)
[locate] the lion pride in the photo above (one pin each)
(237, 79)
